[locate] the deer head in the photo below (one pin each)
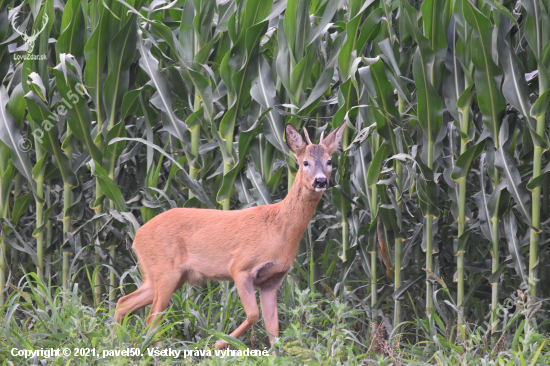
(32, 38)
(315, 160)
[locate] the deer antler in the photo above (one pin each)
(307, 136)
(36, 32)
(321, 140)
(14, 26)
(44, 23)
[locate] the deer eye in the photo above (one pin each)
(306, 163)
(329, 162)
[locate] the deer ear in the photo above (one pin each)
(294, 140)
(332, 141)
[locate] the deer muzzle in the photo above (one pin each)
(320, 183)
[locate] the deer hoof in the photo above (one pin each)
(221, 345)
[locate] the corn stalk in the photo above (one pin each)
(538, 40)
(427, 71)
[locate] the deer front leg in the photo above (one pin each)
(268, 300)
(245, 288)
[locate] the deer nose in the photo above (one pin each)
(320, 182)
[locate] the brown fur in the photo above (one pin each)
(254, 247)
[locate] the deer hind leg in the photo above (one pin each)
(165, 286)
(143, 296)
(245, 288)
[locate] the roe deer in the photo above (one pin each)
(254, 247)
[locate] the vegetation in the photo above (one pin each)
(114, 111)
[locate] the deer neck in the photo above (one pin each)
(298, 206)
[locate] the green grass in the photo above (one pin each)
(315, 329)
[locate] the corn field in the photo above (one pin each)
(436, 224)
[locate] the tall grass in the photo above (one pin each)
(318, 332)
